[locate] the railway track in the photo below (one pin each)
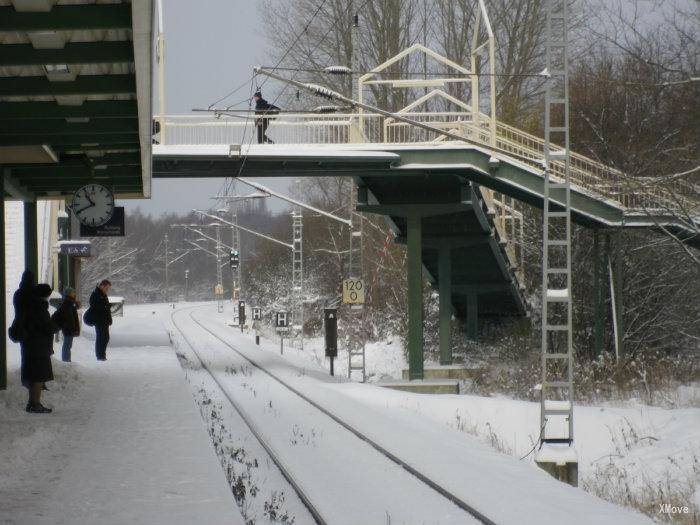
(276, 458)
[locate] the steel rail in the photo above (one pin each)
(379, 448)
(284, 470)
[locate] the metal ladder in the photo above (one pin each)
(557, 352)
(297, 280)
(356, 313)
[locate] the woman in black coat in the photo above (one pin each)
(21, 300)
(38, 347)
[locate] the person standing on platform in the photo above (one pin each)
(22, 300)
(265, 109)
(66, 316)
(37, 348)
(99, 315)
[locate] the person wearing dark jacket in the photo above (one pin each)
(66, 317)
(101, 318)
(22, 300)
(38, 347)
(264, 108)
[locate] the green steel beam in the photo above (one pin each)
(423, 210)
(476, 289)
(31, 249)
(415, 299)
(445, 284)
(103, 141)
(51, 110)
(107, 52)
(76, 148)
(57, 172)
(82, 85)
(97, 126)
(67, 18)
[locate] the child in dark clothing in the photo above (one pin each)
(66, 316)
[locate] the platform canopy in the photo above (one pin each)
(75, 96)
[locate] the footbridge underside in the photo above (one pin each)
(452, 196)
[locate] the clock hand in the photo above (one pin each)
(85, 208)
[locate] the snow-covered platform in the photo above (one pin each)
(125, 443)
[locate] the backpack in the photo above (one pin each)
(17, 331)
(88, 317)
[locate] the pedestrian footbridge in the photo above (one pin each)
(458, 205)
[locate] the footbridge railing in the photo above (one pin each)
(600, 180)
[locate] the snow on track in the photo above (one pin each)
(348, 480)
(477, 473)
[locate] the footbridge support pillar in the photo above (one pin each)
(472, 316)
(445, 290)
(415, 297)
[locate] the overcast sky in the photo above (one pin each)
(211, 48)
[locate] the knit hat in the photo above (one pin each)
(43, 290)
(257, 94)
(68, 291)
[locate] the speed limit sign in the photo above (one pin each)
(353, 291)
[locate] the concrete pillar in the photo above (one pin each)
(599, 296)
(3, 292)
(31, 245)
(472, 316)
(618, 277)
(415, 298)
(445, 276)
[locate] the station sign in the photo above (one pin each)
(353, 291)
(257, 313)
(114, 227)
(75, 248)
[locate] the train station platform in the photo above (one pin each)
(125, 443)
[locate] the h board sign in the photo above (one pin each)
(353, 291)
(281, 320)
(257, 313)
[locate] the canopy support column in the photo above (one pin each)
(3, 291)
(31, 249)
(472, 316)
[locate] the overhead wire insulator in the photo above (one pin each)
(322, 91)
(338, 70)
(327, 109)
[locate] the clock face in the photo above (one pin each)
(93, 204)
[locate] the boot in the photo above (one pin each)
(38, 409)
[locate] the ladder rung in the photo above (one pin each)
(556, 327)
(556, 185)
(557, 101)
(556, 242)
(557, 129)
(557, 294)
(557, 270)
(556, 356)
(556, 384)
(557, 214)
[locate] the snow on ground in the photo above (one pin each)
(124, 445)
(649, 451)
(474, 471)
